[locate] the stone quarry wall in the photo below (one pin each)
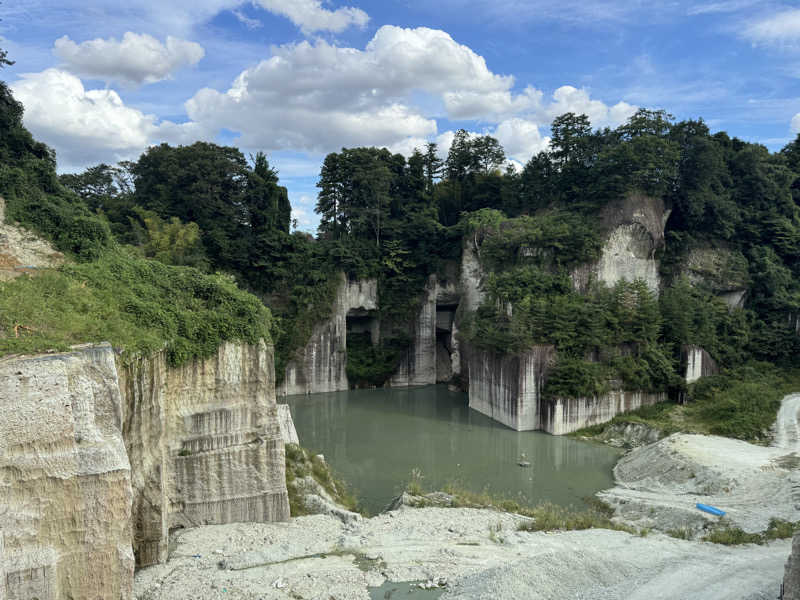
(508, 388)
(634, 229)
(204, 443)
(321, 364)
(65, 478)
(565, 415)
(791, 579)
(99, 460)
(418, 366)
(698, 363)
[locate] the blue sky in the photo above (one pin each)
(101, 80)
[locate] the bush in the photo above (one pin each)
(140, 306)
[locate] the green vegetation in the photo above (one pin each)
(108, 292)
(728, 535)
(301, 463)
(544, 517)
(739, 403)
(138, 305)
(372, 366)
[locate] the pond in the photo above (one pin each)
(373, 439)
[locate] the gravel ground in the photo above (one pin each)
(479, 552)
(658, 485)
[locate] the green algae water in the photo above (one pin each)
(374, 438)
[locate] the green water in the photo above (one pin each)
(374, 438)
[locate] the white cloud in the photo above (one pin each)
(310, 16)
(247, 21)
(570, 99)
(795, 124)
(136, 59)
(321, 97)
(781, 28)
(90, 126)
(521, 139)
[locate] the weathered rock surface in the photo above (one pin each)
(634, 231)
(321, 364)
(565, 415)
(418, 366)
(22, 251)
(698, 363)
(286, 423)
(791, 578)
(479, 552)
(204, 443)
(65, 479)
(719, 270)
(509, 388)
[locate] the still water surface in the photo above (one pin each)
(374, 438)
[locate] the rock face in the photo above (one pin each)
(418, 367)
(509, 388)
(286, 423)
(99, 460)
(698, 363)
(204, 443)
(635, 230)
(565, 415)
(720, 271)
(791, 580)
(65, 479)
(22, 252)
(321, 365)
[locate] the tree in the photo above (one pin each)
(433, 166)
(568, 135)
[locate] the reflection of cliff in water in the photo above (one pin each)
(373, 438)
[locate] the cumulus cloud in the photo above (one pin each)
(136, 59)
(320, 97)
(310, 16)
(521, 139)
(90, 126)
(782, 28)
(570, 99)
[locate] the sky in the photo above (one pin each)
(101, 80)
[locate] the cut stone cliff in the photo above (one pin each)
(204, 442)
(321, 366)
(100, 460)
(634, 229)
(65, 478)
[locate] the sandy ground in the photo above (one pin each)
(482, 555)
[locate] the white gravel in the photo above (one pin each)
(659, 485)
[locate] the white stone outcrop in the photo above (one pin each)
(100, 460)
(508, 388)
(698, 363)
(560, 416)
(204, 443)
(65, 478)
(286, 423)
(634, 229)
(321, 365)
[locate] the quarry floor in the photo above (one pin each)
(481, 554)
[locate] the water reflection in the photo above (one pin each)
(374, 438)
